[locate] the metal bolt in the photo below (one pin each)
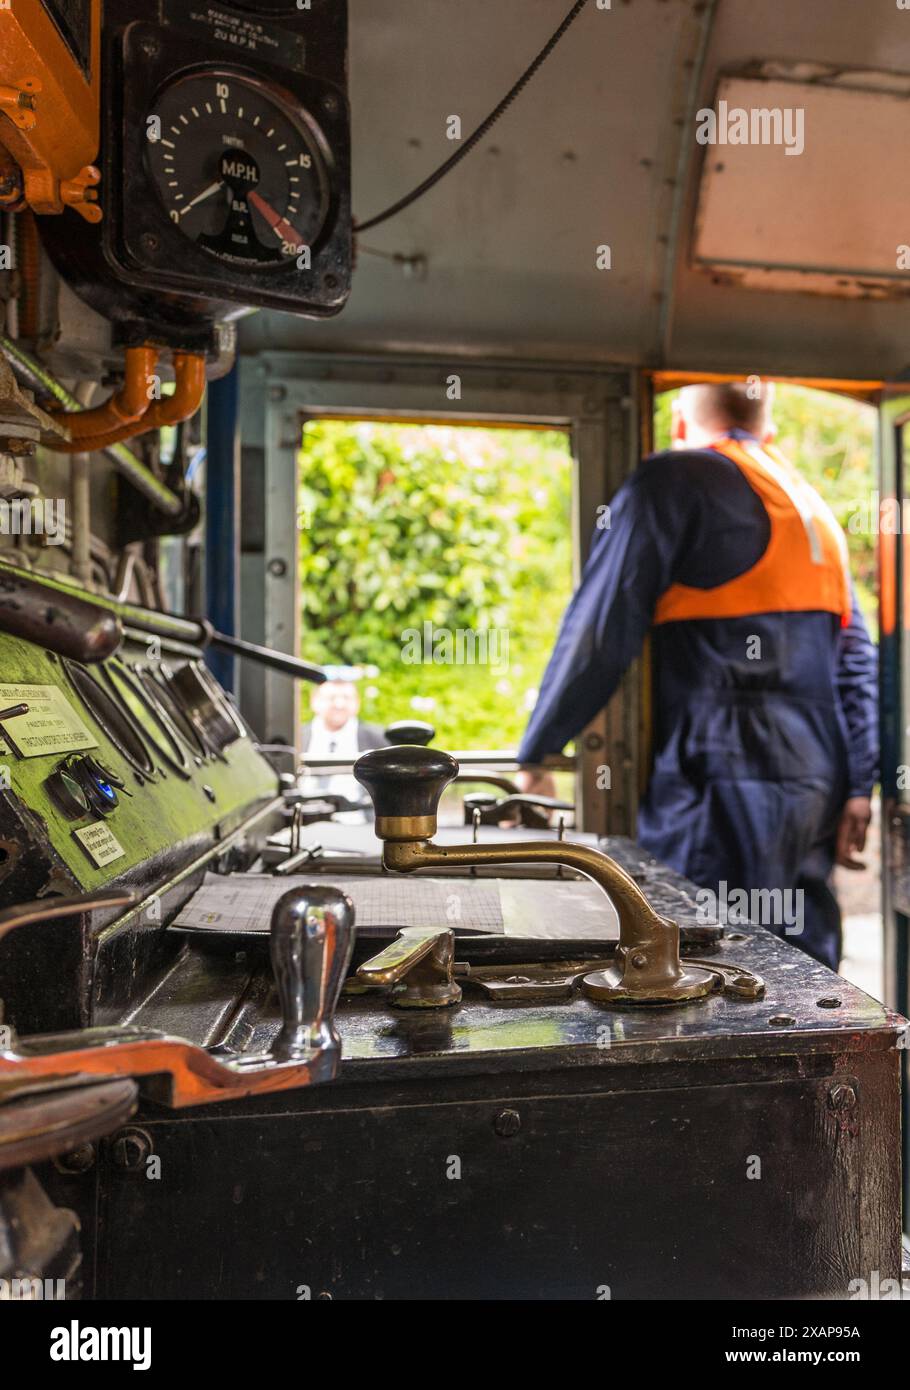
(79, 1161)
(149, 241)
(130, 1148)
(277, 568)
(841, 1097)
(507, 1123)
(330, 103)
(150, 46)
(639, 960)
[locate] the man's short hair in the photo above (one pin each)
(730, 405)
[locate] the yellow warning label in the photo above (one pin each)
(50, 725)
(100, 844)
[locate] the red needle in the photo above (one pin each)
(279, 225)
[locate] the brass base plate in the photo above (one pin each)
(694, 983)
(425, 996)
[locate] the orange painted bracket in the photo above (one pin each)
(184, 1073)
(50, 108)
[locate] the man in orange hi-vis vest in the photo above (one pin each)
(765, 678)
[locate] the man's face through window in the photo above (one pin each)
(335, 702)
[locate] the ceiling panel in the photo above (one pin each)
(590, 154)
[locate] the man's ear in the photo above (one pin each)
(677, 424)
(769, 435)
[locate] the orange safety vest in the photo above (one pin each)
(804, 566)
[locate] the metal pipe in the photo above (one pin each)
(125, 408)
(194, 632)
(80, 492)
(146, 620)
(189, 369)
(61, 620)
(35, 377)
(266, 656)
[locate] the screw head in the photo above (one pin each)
(130, 1148)
(78, 1161)
(841, 1097)
(507, 1123)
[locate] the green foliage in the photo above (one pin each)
(471, 529)
(462, 528)
(831, 440)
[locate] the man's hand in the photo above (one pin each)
(851, 831)
(536, 781)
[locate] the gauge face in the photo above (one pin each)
(236, 171)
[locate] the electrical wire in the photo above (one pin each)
(481, 130)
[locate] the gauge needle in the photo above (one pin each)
(279, 225)
(200, 197)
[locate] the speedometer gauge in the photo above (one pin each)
(237, 170)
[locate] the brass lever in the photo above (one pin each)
(406, 783)
(417, 969)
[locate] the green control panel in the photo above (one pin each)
(114, 766)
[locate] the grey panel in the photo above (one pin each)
(590, 154)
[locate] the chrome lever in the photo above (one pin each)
(311, 944)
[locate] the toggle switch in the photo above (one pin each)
(99, 786)
(67, 793)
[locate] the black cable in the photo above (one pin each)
(481, 130)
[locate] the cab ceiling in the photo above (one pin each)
(598, 150)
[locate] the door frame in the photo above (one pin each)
(597, 405)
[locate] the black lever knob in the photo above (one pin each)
(412, 731)
(311, 943)
(405, 784)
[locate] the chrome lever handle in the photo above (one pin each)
(312, 941)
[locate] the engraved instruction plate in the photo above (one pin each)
(51, 725)
(100, 844)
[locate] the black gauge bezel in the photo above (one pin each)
(160, 683)
(153, 254)
(158, 732)
(111, 719)
(310, 134)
